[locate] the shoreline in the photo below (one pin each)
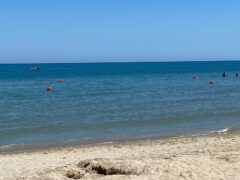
(42, 146)
(213, 156)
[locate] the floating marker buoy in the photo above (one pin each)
(60, 81)
(194, 77)
(49, 88)
(211, 82)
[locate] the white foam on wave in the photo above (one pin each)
(221, 131)
(5, 146)
(9, 146)
(108, 142)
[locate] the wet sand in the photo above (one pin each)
(201, 157)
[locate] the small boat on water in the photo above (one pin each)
(35, 68)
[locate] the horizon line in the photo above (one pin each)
(98, 62)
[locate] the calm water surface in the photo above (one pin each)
(112, 101)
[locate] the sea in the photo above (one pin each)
(89, 103)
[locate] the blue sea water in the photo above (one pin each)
(100, 102)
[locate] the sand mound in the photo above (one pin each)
(91, 169)
(106, 167)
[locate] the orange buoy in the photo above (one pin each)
(49, 88)
(211, 82)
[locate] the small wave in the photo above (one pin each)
(5, 146)
(221, 131)
(108, 142)
(11, 147)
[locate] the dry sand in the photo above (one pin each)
(203, 157)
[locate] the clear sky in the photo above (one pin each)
(118, 30)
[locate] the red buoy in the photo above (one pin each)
(60, 81)
(49, 88)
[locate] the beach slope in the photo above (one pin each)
(202, 157)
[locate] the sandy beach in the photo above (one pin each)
(202, 157)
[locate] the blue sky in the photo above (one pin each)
(118, 30)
